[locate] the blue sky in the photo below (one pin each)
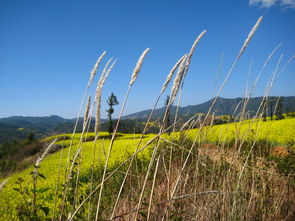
(48, 48)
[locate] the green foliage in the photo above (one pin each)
(112, 101)
(26, 208)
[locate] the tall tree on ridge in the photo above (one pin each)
(111, 102)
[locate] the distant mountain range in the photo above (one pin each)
(223, 106)
(18, 127)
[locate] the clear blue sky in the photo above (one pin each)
(48, 48)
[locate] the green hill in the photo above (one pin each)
(53, 166)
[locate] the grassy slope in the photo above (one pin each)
(123, 146)
(278, 132)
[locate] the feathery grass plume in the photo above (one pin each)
(174, 90)
(135, 154)
(286, 65)
(98, 96)
(40, 159)
(93, 72)
(102, 76)
(100, 84)
(189, 58)
(248, 39)
(87, 112)
(133, 78)
(249, 93)
(188, 62)
(263, 67)
(214, 101)
(35, 175)
(178, 78)
(168, 79)
(92, 75)
(97, 115)
(171, 73)
(3, 183)
(262, 105)
(138, 66)
(108, 73)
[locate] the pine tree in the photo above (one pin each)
(111, 102)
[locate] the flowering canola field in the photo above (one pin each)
(53, 166)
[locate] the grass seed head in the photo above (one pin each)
(108, 73)
(195, 45)
(171, 73)
(94, 70)
(138, 66)
(40, 159)
(97, 116)
(178, 78)
(102, 76)
(86, 114)
(248, 39)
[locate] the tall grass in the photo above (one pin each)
(185, 176)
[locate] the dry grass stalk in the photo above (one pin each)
(168, 79)
(117, 169)
(133, 78)
(86, 114)
(138, 66)
(250, 36)
(35, 175)
(100, 85)
(94, 70)
(174, 90)
(182, 70)
(45, 153)
(171, 73)
(214, 101)
(166, 201)
(103, 76)
(188, 62)
(97, 116)
(76, 124)
(274, 75)
(192, 50)
(249, 94)
(219, 68)
(102, 80)
(267, 91)
(286, 65)
(108, 72)
(177, 79)
(153, 186)
(58, 179)
(3, 183)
